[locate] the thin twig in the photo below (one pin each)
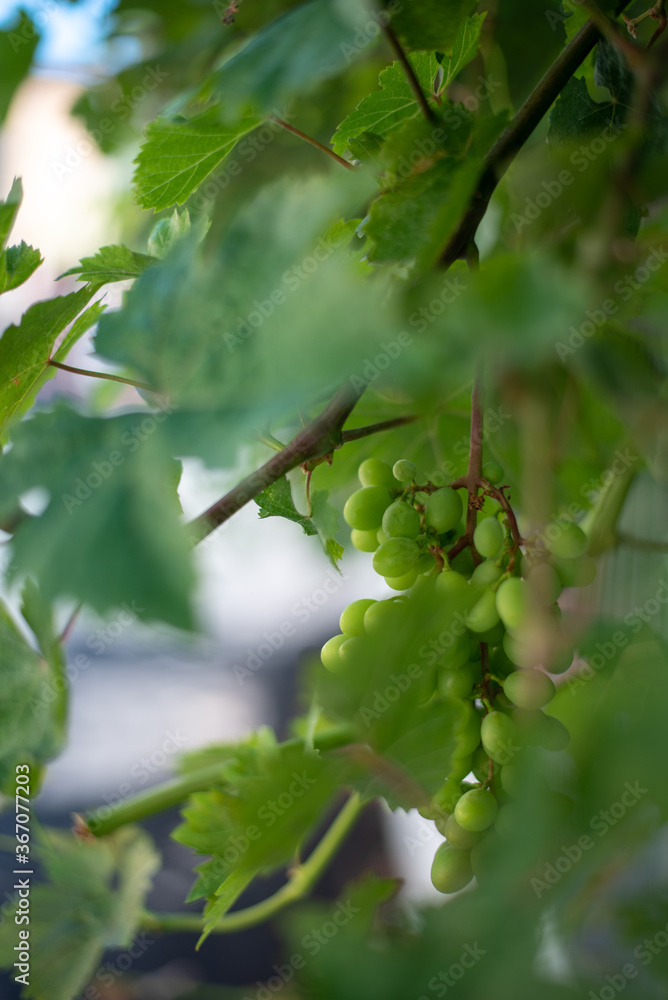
(104, 375)
(317, 439)
(413, 81)
(385, 425)
(509, 143)
(314, 142)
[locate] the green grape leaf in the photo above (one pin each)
(388, 108)
(325, 518)
(113, 492)
(274, 796)
(92, 901)
(25, 350)
(577, 115)
(403, 221)
(309, 43)
(17, 263)
(433, 24)
(111, 263)
(84, 321)
(167, 231)
(33, 704)
(178, 155)
(464, 49)
(8, 210)
(17, 47)
(276, 501)
(530, 36)
(366, 147)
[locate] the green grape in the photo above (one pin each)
(531, 725)
(480, 764)
(476, 810)
(446, 797)
(515, 649)
(544, 581)
(451, 869)
(529, 688)
(578, 572)
(555, 736)
(460, 767)
(330, 654)
(511, 602)
(483, 616)
(509, 822)
(349, 650)
(401, 520)
(560, 660)
(565, 539)
(402, 582)
(457, 683)
(485, 574)
(395, 557)
(513, 778)
(463, 563)
(457, 836)
(381, 536)
(453, 588)
(374, 472)
(383, 617)
(404, 471)
(492, 472)
(443, 510)
(364, 509)
(456, 655)
(425, 563)
(364, 541)
(501, 703)
(467, 731)
(351, 621)
(500, 663)
(499, 737)
(488, 538)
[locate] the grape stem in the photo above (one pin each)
(496, 492)
(314, 142)
(302, 880)
(172, 793)
(103, 375)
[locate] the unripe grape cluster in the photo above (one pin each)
(502, 592)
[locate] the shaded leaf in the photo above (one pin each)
(113, 492)
(17, 47)
(92, 902)
(433, 24)
(309, 43)
(33, 702)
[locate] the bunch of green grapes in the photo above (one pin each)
(492, 591)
